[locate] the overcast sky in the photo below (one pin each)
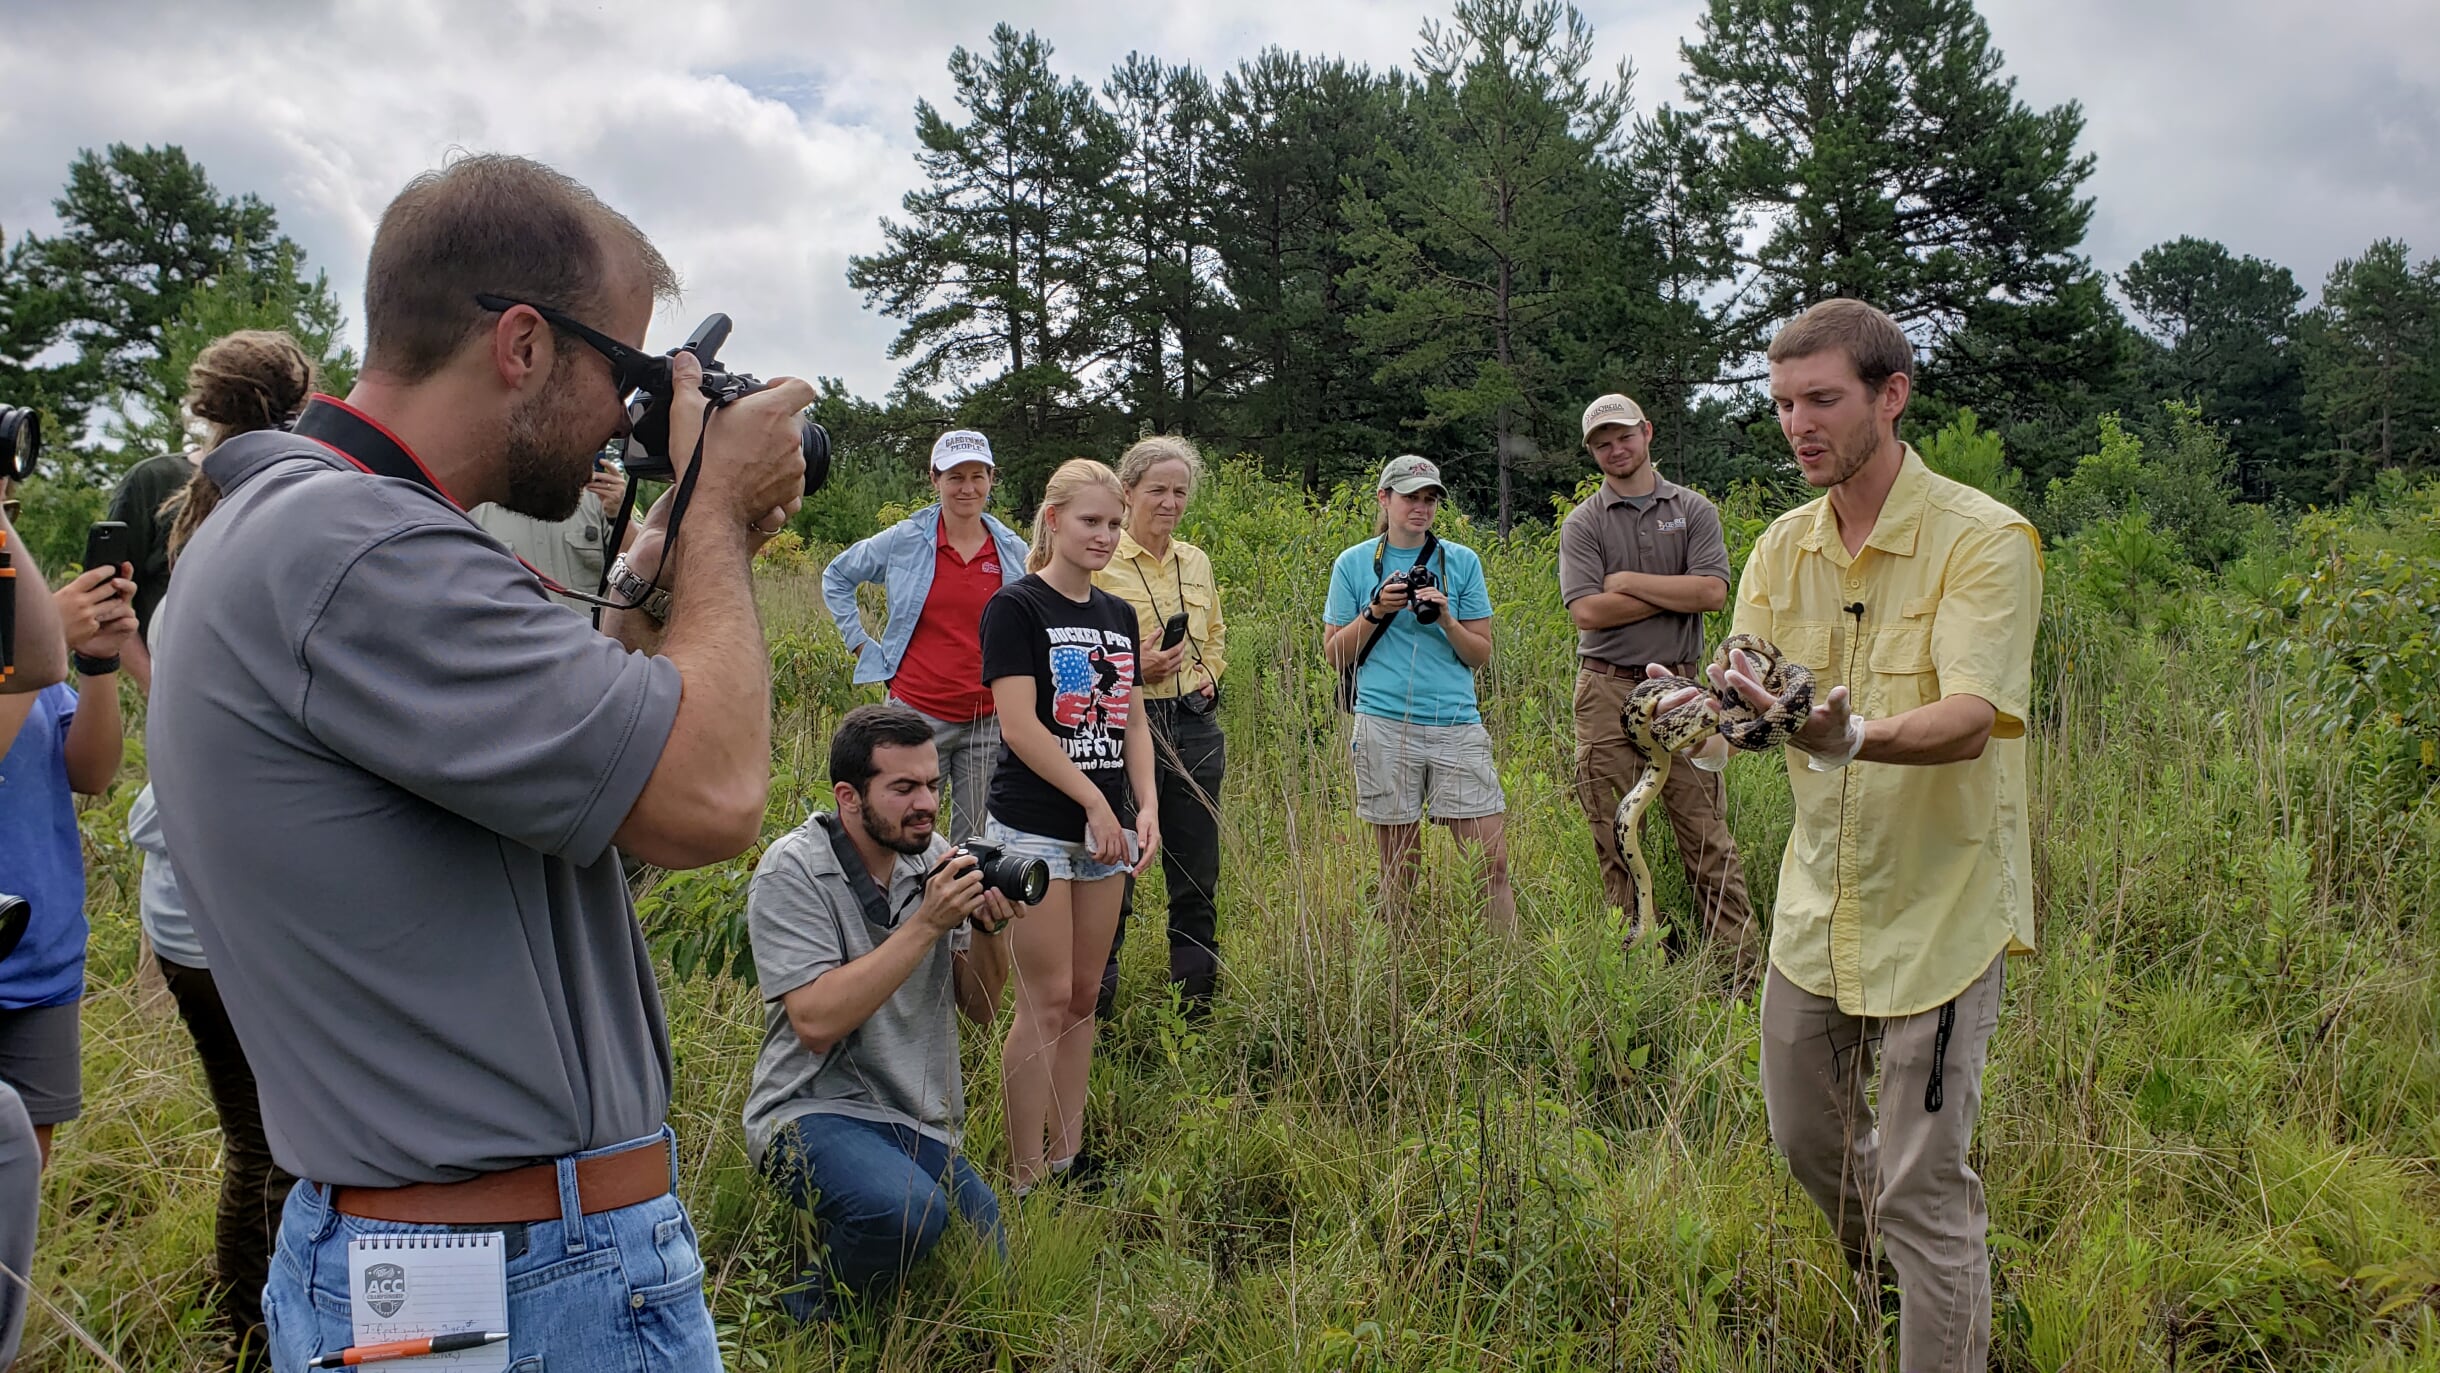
(761, 142)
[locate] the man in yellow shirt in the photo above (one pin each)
(1908, 877)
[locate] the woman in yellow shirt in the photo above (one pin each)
(1164, 578)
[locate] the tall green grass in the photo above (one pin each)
(2211, 1116)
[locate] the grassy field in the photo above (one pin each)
(2212, 1113)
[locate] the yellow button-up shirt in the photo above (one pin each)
(1158, 588)
(1901, 884)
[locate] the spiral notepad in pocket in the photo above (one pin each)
(404, 1287)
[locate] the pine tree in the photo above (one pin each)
(995, 269)
(1489, 241)
(2372, 363)
(1878, 152)
(2225, 330)
(1294, 134)
(1163, 267)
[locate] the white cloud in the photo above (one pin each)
(760, 142)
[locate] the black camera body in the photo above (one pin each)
(647, 451)
(1415, 579)
(1022, 880)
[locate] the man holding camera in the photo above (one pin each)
(870, 936)
(1639, 564)
(397, 780)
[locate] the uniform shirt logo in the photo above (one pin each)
(1665, 526)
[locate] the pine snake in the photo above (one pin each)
(1659, 735)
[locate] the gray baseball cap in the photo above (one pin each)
(1409, 474)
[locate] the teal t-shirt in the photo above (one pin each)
(1414, 674)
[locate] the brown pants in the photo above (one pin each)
(1607, 764)
(1900, 1175)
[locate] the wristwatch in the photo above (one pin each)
(637, 592)
(1372, 619)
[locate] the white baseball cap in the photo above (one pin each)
(960, 446)
(1612, 409)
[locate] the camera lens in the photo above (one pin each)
(815, 441)
(20, 441)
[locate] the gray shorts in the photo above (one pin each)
(41, 1055)
(1404, 770)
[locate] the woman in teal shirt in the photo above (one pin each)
(1419, 744)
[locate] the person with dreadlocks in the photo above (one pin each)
(249, 381)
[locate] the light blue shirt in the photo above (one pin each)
(159, 906)
(901, 559)
(1414, 674)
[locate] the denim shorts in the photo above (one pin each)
(619, 1292)
(1069, 860)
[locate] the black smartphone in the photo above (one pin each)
(1173, 631)
(109, 543)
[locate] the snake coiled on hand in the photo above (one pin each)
(1661, 734)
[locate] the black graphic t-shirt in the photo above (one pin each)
(1081, 655)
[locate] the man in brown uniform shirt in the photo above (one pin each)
(1639, 563)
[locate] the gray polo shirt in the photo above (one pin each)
(900, 1066)
(1675, 533)
(389, 769)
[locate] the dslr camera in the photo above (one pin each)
(1022, 880)
(647, 452)
(1415, 579)
(20, 441)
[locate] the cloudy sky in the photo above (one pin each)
(761, 142)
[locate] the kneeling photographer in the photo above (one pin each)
(397, 779)
(870, 935)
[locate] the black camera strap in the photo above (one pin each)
(1431, 543)
(859, 879)
(368, 447)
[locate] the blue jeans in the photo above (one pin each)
(616, 1292)
(882, 1194)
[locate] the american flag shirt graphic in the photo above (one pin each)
(1090, 687)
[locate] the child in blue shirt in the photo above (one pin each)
(59, 744)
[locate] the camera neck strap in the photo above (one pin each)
(869, 896)
(1431, 543)
(371, 448)
(361, 439)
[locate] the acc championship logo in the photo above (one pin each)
(385, 1288)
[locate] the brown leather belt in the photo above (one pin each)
(1632, 674)
(607, 1182)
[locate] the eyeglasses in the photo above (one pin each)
(631, 369)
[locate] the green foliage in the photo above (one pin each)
(1893, 162)
(242, 296)
(2372, 364)
(1474, 253)
(2206, 1125)
(2179, 482)
(997, 268)
(1963, 451)
(2221, 328)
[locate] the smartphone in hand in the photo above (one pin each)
(1173, 631)
(108, 544)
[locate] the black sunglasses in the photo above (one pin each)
(631, 369)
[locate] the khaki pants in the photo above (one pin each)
(1900, 1175)
(1607, 764)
